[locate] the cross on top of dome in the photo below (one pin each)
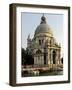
(43, 19)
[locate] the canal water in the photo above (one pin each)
(51, 73)
(46, 73)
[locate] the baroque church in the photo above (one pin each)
(43, 46)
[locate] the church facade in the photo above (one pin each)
(43, 47)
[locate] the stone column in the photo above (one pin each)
(58, 57)
(35, 60)
(49, 56)
(42, 60)
(51, 61)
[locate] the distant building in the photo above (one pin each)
(43, 46)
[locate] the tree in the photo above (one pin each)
(27, 58)
(23, 52)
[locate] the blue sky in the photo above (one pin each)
(30, 21)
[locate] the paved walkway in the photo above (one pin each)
(44, 68)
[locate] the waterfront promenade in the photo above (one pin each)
(42, 68)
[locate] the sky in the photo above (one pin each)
(30, 21)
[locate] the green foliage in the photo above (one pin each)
(27, 59)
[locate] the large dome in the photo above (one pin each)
(43, 27)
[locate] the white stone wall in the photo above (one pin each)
(39, 60)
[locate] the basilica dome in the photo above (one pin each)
(43, 27)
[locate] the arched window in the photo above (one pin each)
(39, 42)
(62, 60)
(54, 57)
(38, 52)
